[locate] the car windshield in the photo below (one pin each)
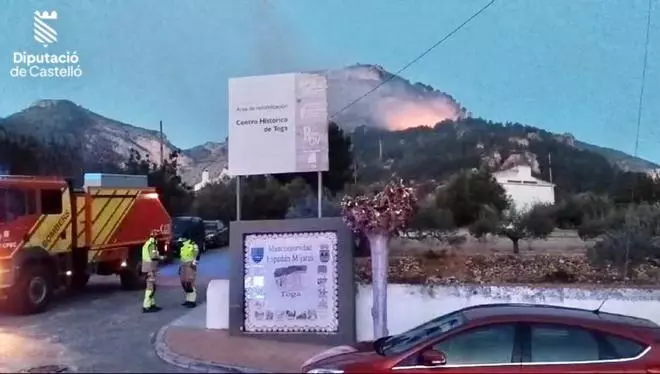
(397, 344)
(210, 225)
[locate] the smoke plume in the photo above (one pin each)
(396, 105)
(278, 47)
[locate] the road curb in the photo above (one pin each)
(166, 354)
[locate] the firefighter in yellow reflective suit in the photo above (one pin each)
(150, 257)
(189, 255)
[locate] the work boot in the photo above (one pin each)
(189, 304)
(151, 309)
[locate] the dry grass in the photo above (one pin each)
(446, 268)
(559, 260)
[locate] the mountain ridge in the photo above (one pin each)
(397, 105)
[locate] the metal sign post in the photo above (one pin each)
(320, 193)
(238, 197)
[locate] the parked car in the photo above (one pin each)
(506, 338)
(216, 234)
(186, 226)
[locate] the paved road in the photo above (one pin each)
(213, 264)
(102, 329)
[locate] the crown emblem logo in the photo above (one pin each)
(44, 33)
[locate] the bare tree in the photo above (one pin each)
(379, 217)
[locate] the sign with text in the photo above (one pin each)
(291, 282)
(278, 124)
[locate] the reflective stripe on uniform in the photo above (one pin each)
(150, 291)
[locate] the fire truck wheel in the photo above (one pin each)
(33, 291)
(132, 278)
(79, 281)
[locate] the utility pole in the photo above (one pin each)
(554, 190)
(550, 165)
(161, 143)
(380, 150)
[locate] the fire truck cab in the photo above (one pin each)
(53, 235)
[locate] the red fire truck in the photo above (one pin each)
(53, 235)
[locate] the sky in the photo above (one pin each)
(562, 65)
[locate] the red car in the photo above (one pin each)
(506, 338)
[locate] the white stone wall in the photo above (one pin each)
(411, 305)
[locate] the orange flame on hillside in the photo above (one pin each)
(405, 115)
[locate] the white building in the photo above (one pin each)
(206, 179)
(654, 173)
(224, 175)
(523, 189)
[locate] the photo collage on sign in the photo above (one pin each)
(289, 282)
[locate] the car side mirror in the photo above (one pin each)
(433, 358)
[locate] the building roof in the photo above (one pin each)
(520, 174)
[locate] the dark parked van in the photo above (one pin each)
(181, 226)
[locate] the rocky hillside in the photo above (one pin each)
(211, 156)
(111, 140)
(619, 158)
(392, 108)
(65, 121)
(425, 153)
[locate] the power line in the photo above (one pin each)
(643, 86)
(640, 106)
(416, 59)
